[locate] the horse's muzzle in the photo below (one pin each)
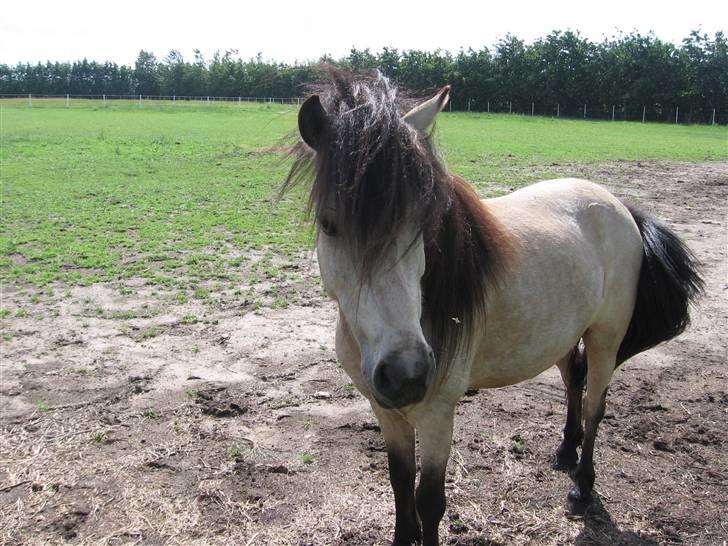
(403, 376)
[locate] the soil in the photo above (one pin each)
(196, 423)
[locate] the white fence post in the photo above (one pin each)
(612, 112)
(30, 100)
(68, 100)
(584, 110)
(557, 109)
(644, 113)
(713, 121)
(489, 107)
(104, 100)
(140, 100)
(677, 109)
(510, 107)
(532, 108)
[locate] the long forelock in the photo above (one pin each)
(374, 169)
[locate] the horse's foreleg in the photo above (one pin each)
(599, 374)
(435, 436)
(399, 436)
(573, 372)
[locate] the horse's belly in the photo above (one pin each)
(493, 373)
(537, 317)
(498, 365)
(528, 331)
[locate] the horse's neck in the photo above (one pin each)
(468, 252)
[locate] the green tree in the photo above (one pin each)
(172, 73)
(706, 63)
(388, 61)
(146, 74)
(564, 71)
(362, 60)
(515, 70)
(473, 79)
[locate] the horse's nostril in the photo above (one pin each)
(381, 377)
(402, 379)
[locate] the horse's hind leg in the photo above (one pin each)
(573, 372)
(599, 373)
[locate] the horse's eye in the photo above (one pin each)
(327, 226)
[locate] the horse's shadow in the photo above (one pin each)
(600, 530)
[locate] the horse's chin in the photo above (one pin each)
(384, 403)
(389, 405)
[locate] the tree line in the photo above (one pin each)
(628, 76)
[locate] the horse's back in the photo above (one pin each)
(575, 267)
(568, 209)
(554, 197)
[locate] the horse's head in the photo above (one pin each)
(376, 187)
(382, 308)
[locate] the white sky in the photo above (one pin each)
(288, 30)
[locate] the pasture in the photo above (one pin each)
(168, 373)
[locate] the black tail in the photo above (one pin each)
(669, 282)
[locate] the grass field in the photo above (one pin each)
(178, 194)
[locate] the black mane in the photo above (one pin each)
(376, 172)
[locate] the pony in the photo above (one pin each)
(440, 292)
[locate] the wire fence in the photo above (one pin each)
(105, 99)
(616, 112)
(654, 112)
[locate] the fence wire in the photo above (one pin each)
(646, 113)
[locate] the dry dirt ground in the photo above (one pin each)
(128, 417)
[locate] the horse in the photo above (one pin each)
(440, 292)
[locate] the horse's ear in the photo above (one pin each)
(422, 116)
(312, 121)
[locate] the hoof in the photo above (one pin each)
(577, 502)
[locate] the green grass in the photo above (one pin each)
(150, 333)
(234, 452)
(486, 146)
(178, 194)
(93, 195)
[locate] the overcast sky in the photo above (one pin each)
(287, 30)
